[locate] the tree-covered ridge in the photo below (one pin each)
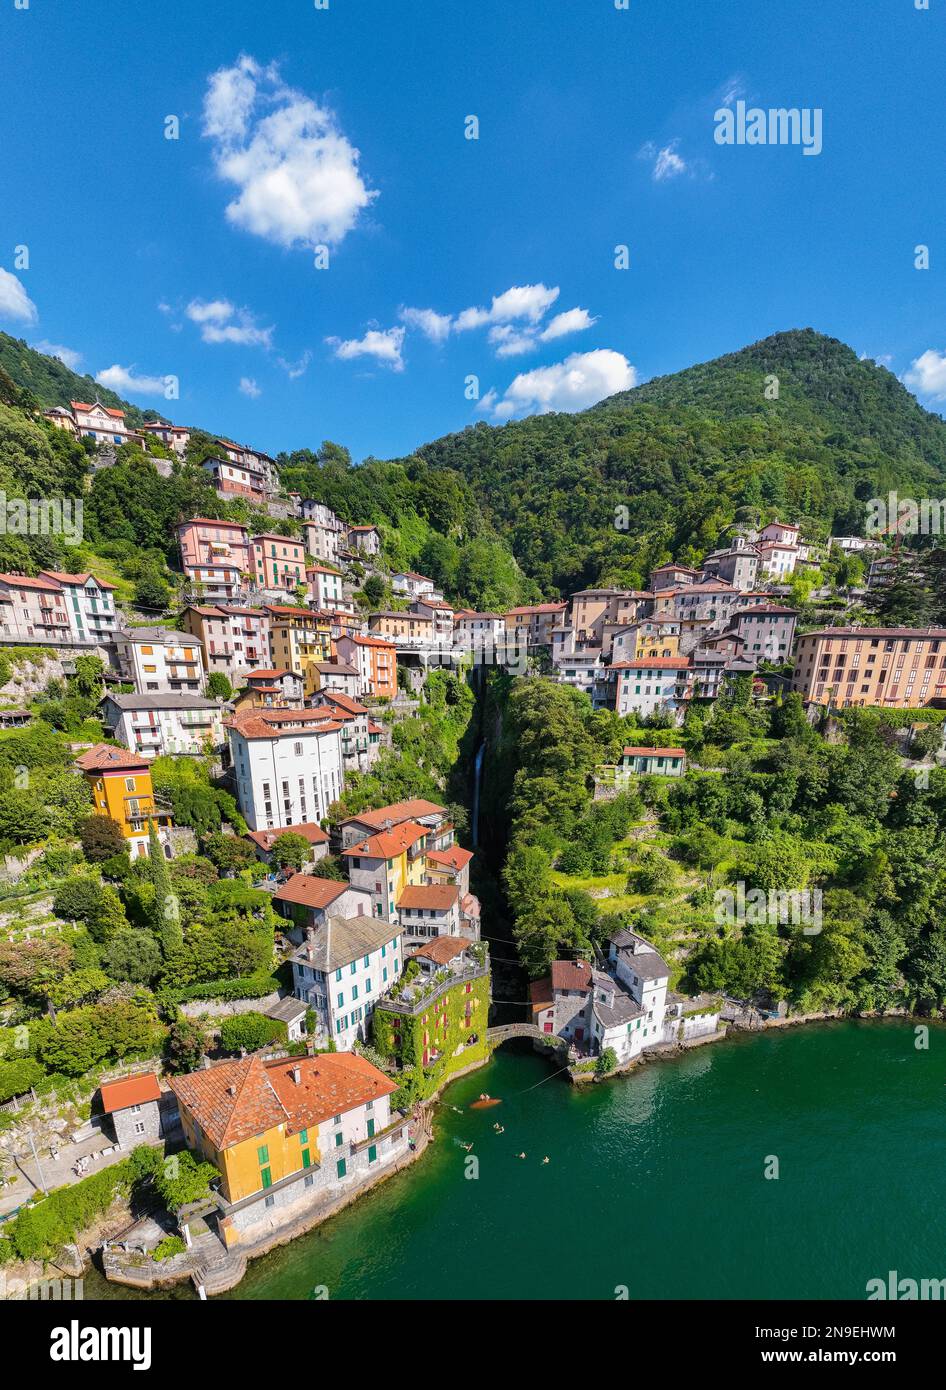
(767, 805)
(688, 454)
(47, 381)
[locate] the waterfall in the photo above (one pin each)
(477, 776)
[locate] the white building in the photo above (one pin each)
(100, 422)
(154, 725)
(414, 585)
(652, 686)
(342, 969)
(325, 588)
(287, 765)
(157, 658)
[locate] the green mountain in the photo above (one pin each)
(795, 425)
(50, 382)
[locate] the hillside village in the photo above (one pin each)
(257, 952)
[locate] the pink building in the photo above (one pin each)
(278, 562)
(215, 555)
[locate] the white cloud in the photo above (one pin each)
(527, 302)
(571, 321)
(510, 341)
(434, 326)
(295, 369)
(927, 374)
(68, 356)
(296, 173)
(578, 382)
(668, 164)
(123, 379)
(221, 322)
(249, 387)
(732, 90)
(15, 303)
(383, 344)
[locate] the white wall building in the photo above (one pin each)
(342, 969)
(287, 765)
(154, 725)
(157, 658)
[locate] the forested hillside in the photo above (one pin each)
(689, 453)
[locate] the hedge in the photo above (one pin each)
(244, 987)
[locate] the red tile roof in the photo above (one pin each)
(267, 838)
(388, 844)
(634, 752)
(438, 897)
(102, 757)
(570, 974)
(452, 858)
(129, 1090)
(540, 992)
(442, 949)
(309, 891)
(386, 816)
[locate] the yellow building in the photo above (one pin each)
(259, 1124)
(121, 788)
(298, 638)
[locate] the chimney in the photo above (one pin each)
(231, 1090)
(297, 1075)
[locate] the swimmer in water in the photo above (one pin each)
(500, 1129)
(520, 1155)
(545, 1159)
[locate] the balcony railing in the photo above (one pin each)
(421, 993)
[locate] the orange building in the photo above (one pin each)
(375, 661)
(121, 788)
(893, 667)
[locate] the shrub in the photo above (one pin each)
(250, 1031)
(606, 1062)
(170, 1245)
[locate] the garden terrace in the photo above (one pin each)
(420, 992)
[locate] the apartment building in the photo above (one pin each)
(341, 971)
(324, 533)
(531, 624)
(672, 577)
(234, 639)
(278, 562)
(335, 677)
(33, 609)
(429, 909)
(308, 902)
(158, 658)
(376, 662)
(237, 480)
(737, 564)
(326, 587)
(387, 862)
(288, 1134)
(765, 632)
(361, 737)
(154, 725)
(403, 629)
(287, 765)
(89, 603)
(894, 668)
(652, 686)
(441, 616)
(298, 639)
(479, 631)
(215, 555)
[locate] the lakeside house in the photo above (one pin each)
(342, 969)
(288, 1133)
(621, 1003)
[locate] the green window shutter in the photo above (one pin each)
(306, 1159)
(303, 1136)
(373, 1154)
(267, 1177)
(339, 1140)
(262, 1153)
(370, 1128)
(340, 1168)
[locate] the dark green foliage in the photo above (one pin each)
(250, 1031)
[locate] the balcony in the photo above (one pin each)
(423, 991)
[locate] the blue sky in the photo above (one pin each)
(345, 128)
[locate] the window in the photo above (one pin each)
(373, 1153)
(266, 1177)
(340, 1168)
(337, 1120)
(303, 1136)
(139, 1126)
(262, 1153)
(306, 1159)
(308, 1180)
(339, 1139)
